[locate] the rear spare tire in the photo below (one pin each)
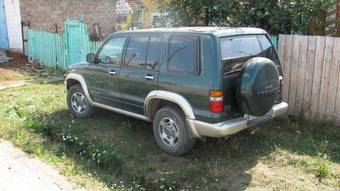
(258, 86)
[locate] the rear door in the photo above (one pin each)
(139, 73)
(235, 52)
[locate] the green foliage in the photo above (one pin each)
(276, 16)
(323, 171)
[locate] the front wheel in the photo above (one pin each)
(171, 132)
(77, 103)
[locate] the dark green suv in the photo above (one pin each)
(190, 82)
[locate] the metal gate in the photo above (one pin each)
(76, 40)
(3, 27)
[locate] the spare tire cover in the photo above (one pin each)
(258, 86)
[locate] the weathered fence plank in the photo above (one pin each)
(327, 63)
(294, 74)
(287, 61)
(281, 49)
(333, 82)
(309, 76)
(320, 45)
(337, 105)
(302, 61)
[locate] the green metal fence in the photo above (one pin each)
(47, 48)
(60, 50)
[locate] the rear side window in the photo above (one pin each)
(154, 53)
(239, 46)
(182, 54)
(265, 43)
(268, 49)
(136, 52)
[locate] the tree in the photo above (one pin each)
(276, 16)
(184, 12)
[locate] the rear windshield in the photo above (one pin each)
(240, 46)
(236, 50)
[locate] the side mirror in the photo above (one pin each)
(91, 58)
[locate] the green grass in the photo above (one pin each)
(114, 152)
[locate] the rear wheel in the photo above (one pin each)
(77, 102)
(171, 131)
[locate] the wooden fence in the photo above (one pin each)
(311, 67)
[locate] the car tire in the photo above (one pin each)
(77, 102)
(258, 86)
(171, 131)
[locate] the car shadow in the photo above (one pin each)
(218, 164)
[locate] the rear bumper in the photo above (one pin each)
(235, 125)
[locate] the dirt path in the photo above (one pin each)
(11, 84)
(17, 83)
(19, 171)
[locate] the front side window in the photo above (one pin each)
(182, 54)
(239, 46)
(136, 52)
(111, 52)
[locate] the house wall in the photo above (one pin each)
(49, 15)
(12, 11)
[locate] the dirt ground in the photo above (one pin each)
(19, 63)
(17, 69)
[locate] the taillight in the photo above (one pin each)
(216, 101)
(281, 85)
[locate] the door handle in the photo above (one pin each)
(113, 72)
(149, 77)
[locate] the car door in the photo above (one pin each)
(103, 78)
(139, 72)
